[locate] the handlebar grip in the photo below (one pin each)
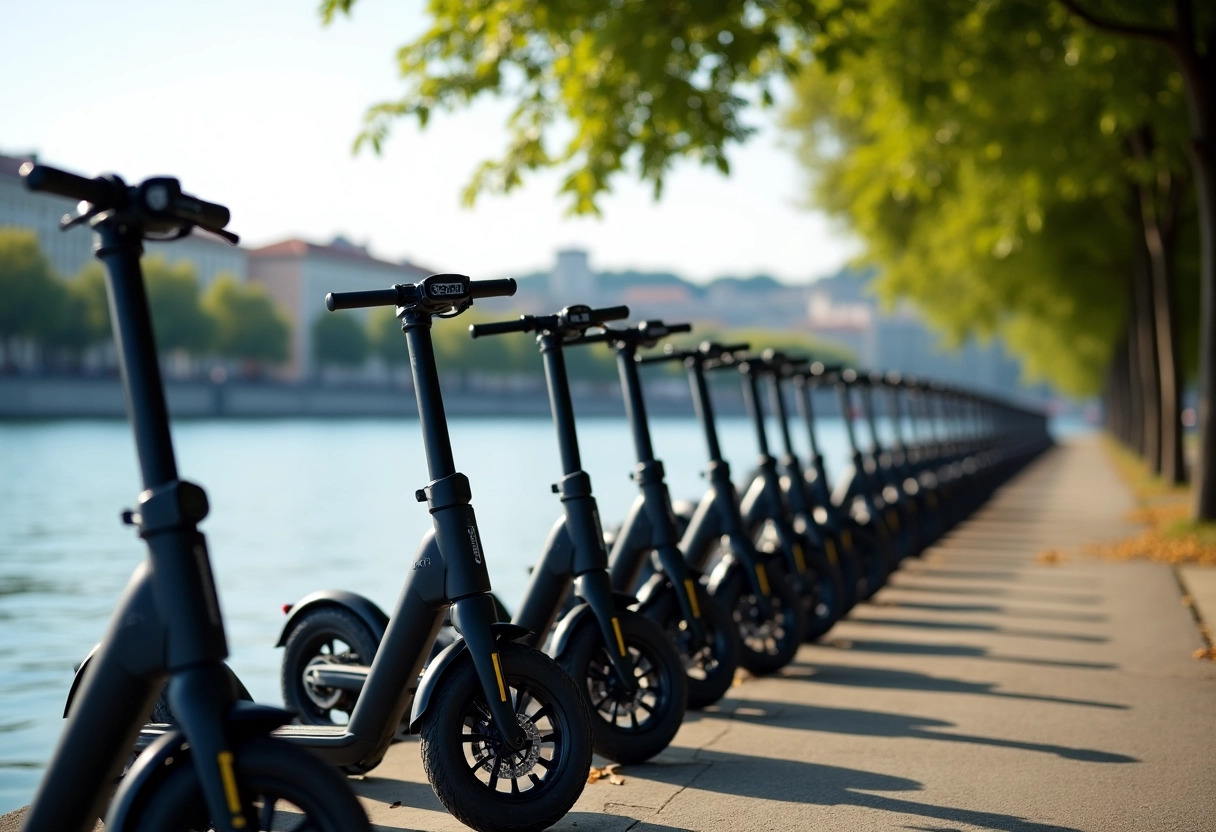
(608, 313)
(674, 328)
(500, 288)
(523, 324)
(97, 191)
(357, 300)
(202, 213)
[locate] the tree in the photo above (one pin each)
(963, 151)
(27, 285)
(340, 340)
(600, 87)
(248, 327)
(1188, 35)
(384, 337)
(84, 317)
(178, 317)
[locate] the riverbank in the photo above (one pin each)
(64, 397)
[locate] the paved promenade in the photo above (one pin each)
(981, 690)
(984, 689)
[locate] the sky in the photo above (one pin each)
(255, 104)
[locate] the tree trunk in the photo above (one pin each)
(1204, 161)
(1197, 71)
(1142, 328)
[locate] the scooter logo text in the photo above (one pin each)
(476, 545)
(447, 289)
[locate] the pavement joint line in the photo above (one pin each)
(1188, 601)
(705, 766)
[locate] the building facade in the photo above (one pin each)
(297, 275)
(69, 251)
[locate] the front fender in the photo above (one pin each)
(569, 624)
(77, 679)
(154, 764)
(458, 650)
(368, 612)
(724, 571)
(170, 749)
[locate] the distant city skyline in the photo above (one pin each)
(256, 106)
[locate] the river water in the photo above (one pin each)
(296, 506)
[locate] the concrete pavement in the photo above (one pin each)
(986, 688)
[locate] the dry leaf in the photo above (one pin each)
(1205, 653)
(1050, 557)
(608, 773)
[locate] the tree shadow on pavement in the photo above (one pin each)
(791, 781)
(904, 648)
(861, 723)
(1072, 599)
(993, 609)
(971, 626)
(888, 678)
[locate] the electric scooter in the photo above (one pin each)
(510, 735)
(857, 492)
(769, 515)
(856, 541)
(630, 672)
(761, 595)
(673, 594)
(838, 567)
(506, 737)
(219, 767)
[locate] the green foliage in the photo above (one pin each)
(248, 326)
(603, 87)
(982, 153)
(83, 317)
(339, 339)
(178, 317)
(384, 337)
(27, 285)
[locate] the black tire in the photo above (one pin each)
(824, 599)
(279, 782)
(331, 635)
(163, 714)
(628, 728)
(458, 743)
(709, 668)
(766, 643)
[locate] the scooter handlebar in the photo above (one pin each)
(358, 300)
(503, 287)
(525, 323)
(97, 191)
(159, 197)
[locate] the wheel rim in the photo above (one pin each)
(757, 633)
(331, 704)
(612, 703)
(700, 662)
(506, 771)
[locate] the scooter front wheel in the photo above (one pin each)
(482, 782)
(629, 727)
(280, 785)
(710, 664)
(767, 642)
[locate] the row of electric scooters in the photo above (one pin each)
(615, 637)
